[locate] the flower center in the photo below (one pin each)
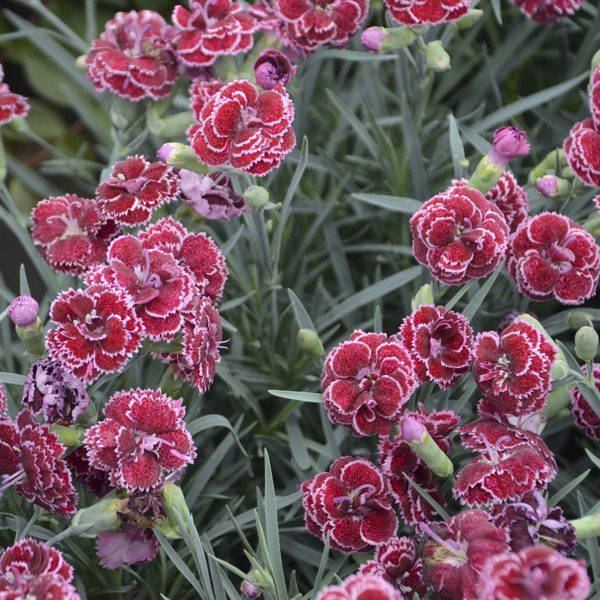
(451, 552)
(562, 257)
(357, 500)
(70, 222)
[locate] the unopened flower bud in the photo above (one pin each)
(256, 196)
(425, 447)
(101, 516)
(71, 436)
(175, 506)
(586, 343)
(578, 318)
(509, 143)
(23, 311)
(560, 370)
(423, 296)
(373, 38)
(437, 58)
(310, 342)
(550, 186)
(180, 156)
(249, 590)
(273, 67)
(81, 64)
(558, 399)
(472, 16)
(587, 527)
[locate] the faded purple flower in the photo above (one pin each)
(52, 390)
(128, 546)
(273, 67)
(212, 195)
(509, 142)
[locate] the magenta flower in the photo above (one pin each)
(273, 67)
(582, 151)
(595, 97)
(548, 11)
(12, 106)
(509, 143)
(426, 12)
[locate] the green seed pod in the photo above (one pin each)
(586, 343)
(423, 296)
(310, 342)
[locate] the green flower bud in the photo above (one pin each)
(587, 527)
(437, 58)
(586, 343)
(472, 17)
(486, 175)
(423, 296)
(71, 436)
(310, 342)
(425, 447)
(560, 370)
(579, 318)
(81, 64)
(558, 400)
(176, 507)
(101, 516)
(181, 156)
(256, 196)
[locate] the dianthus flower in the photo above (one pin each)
(212, 196)
(512, 370)
(361, 587)
(398, 562)
(551, 256)
(530, 521)
(351, 503)
(55, 392)
(398, 461)
(135, 189)
(511, 462)
(366, 383)
(96, 331)
(511, 199)
(196, 252)
(200, 92)
(585, 416)
(71, 233)
(273, 67)
(439, 342)
(142, 441)
(459, 235)
(12, 106)
(534, 573)
(134, 57)
(211, 29)
(159, 287)
(96, 480)
(595, 97)
(310, 24)
(426, 12)
(32, 569)
(582, 151)
(30, 460)
(547, 11)
(455, 552)
(202, 339)
(250, 130)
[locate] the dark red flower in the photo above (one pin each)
(547, 11)
(530, 521)
(534, 573)
(455, 552)
(439, 342)
(595, 97)
(273, 67)
(134, 57)
(96, 331)
(201, 91)
(135, 189)
(212, 28)
(551, 256)
(585, 416)
(426, 12)
(12, 106)
(202, 339)
(398, 461)
(31, 569)
(141, 441)
(459, 235)
(366, 382)
(351, 503)
(510, 463)
(158, 285)
(511, 199)
(512, 370)
(250, 130)
(311, 24)
(397, 561)
(196, 252)
(361, 587)
(582, 151)
(71, 233)
(30, 460)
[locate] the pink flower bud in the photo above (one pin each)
(509, 142)
(249, 590)
(273, 67)
(413, 430)
(165, 151)
(372, 38)
(23, 311)
(547, 186)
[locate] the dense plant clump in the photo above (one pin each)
(307, 303)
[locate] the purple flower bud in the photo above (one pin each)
(412, 430)
(372, 38)
(23, 311)
(273, 67)
(249, 590)
(165, 151)
(509, 142)
(547, 186)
